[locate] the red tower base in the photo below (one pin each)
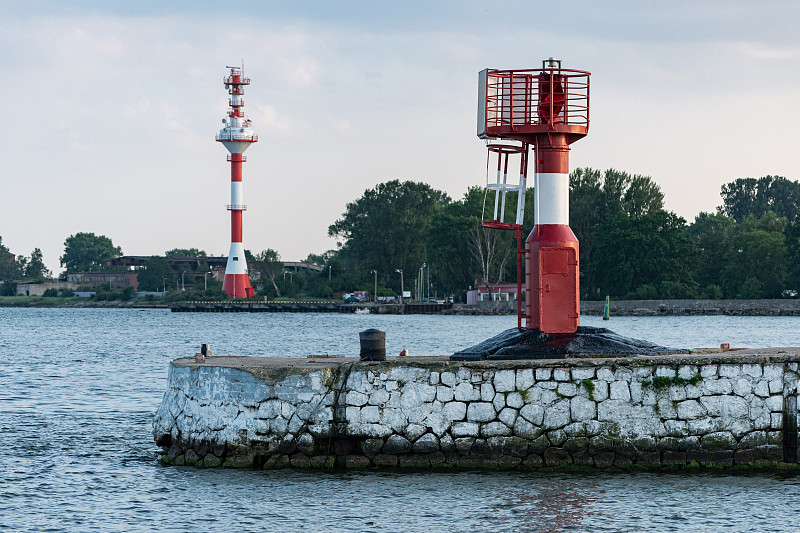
(238, 286)
(553, 299)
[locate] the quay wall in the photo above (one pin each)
(776, 307)
(701, 410)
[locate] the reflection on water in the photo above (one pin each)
(550, 505)
(78, 389)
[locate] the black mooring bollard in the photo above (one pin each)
(373, 345)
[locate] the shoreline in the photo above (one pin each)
(25, 302)
(775, 307)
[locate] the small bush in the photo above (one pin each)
(712, 292)
(673, 290)
(643, 292)
(751, 289)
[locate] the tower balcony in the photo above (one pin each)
(236, 207)
(228, 80)
(241, 136)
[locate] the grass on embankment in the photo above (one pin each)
(73, 301)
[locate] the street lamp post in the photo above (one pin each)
(429, 282)
(375, 297)
(183, 284)
(402, 292)
(329, 273)
(422, 280)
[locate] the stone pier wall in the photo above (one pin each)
(782, 307)
(726, 409)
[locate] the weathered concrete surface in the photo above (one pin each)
(701, 409)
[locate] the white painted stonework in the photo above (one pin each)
(525, 414)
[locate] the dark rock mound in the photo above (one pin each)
(588, 341)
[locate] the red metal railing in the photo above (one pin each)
(545, 98)
(228, 80)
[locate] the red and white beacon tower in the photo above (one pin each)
(547, 109)
(237, 136)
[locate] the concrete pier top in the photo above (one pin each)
(698, 356)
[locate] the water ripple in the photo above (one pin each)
(79, 388)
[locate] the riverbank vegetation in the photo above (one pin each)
(631, 247)
(410, 235)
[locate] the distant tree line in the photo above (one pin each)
(630, 246)
(19, 267)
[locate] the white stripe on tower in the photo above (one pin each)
(236, 193)
(236, 261)
(552, 190)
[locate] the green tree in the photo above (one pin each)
(449, 250)
(642, 196)
(387, 227)
(601, 202)
(757, 266)
(9, 266)
(87, 252)
(648, 250)
(713, 234)
(750, 196)
(320, 259)
(185, 252)
(151, 277)
(267, 267)
(792, 241)
(35, 268)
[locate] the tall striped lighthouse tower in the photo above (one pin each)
(237, 136)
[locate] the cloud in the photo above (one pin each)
(266, 117)
(380, 91)
(761, 51)
(136, 109)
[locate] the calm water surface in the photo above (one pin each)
(78, 389)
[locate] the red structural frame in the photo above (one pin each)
(517, 229)
(501, 150)
(523, 103)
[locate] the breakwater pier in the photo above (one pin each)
(734, 409)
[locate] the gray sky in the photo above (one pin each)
(111, 108)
